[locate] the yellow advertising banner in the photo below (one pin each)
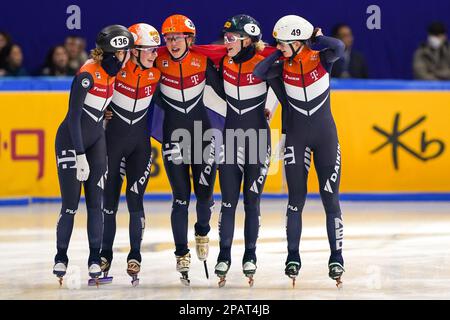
(391, 141)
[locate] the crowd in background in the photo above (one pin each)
(61, 60)
(431, 60)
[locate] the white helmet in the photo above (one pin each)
(145, 35)
(292, 28)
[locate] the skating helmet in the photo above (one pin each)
(292, 28)
(114, 38)
(244, 25)
(178, 24)
(145, 35)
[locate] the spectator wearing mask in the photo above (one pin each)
(352, 64)
(432, 58)
(57, 63)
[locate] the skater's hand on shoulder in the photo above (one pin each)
(82, 168)
(108, 114)
(317, 32)
(268, 114)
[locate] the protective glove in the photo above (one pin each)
(82, 167)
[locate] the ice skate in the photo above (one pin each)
(249, 269)
(221, 271)
(60, 269)
(202, 249)
(105, 265)
(335, 272)
(133, 269)
(95, 272)
(183, 264)
(292, 269)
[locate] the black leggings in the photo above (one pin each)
(130, 156)
(203, 176)
(71, 188)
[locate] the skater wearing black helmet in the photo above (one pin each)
(80, 144)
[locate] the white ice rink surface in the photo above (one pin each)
(393, 250)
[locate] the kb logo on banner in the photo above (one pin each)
(393, 139)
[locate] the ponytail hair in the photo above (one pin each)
(259, 46)
(97, 54)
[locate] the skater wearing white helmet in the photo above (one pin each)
(129, 147)
(310, 130)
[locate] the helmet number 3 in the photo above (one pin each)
(252, 29)
(296, 32)
(119, 42)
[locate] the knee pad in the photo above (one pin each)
(331, 205)
(251, 209)
(295, 207)
(180, 204)
(70, 210)
(109, 212)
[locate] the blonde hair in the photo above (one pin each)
(97, 54)
(259, 46)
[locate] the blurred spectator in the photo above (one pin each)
(76, 47)
(432, 58)
(57, 63)
(14, 62)
(5, 47)
(353, 63)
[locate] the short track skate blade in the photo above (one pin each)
(339, 284)
(135, 282)
(251, 281)
(94, 282)
(185, 279)
(206, 269)
(105, 280)
(222, 282)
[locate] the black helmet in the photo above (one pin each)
(113, 38)
(244, 25)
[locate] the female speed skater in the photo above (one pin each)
(184, 74)
(310, 131)
(246, 97)
(81, 148)
(128, 145)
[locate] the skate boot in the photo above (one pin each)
(335, 272)
(134, 266)
(202, 249)
(133, 269)
(106, 260)
(292, 269)
(60, 267)
(183, 264)
(95, 271)
(221, 271)
(249, 269)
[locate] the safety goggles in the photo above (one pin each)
(176, 39)
(231, 38)
(284, 42)
(149, 49)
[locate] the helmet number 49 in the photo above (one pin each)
(296, 32)
(119, 42)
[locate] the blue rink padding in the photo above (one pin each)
(368, 197)
(63, 84)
